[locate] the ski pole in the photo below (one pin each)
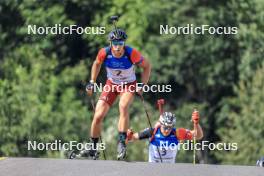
(148, 118)
(194, 139)
(93, 106)
(101, 140)
(114, 20)
(145, 109)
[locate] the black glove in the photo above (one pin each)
(90, 86)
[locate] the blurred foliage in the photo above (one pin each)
(42, 77)
(243, 118)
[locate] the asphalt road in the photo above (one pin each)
(64, 167)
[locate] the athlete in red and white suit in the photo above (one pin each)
(120, 61)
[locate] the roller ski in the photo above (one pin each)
(84, 154)
(121, 151)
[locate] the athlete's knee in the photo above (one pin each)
(98, 118)
(100, 112)
(123, 107)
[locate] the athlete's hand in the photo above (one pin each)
(130, 135)
(195, 117)
(90, 87)
(139, 88)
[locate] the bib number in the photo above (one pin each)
(118, 72)
(163, 152)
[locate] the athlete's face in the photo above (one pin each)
(118, 47)
(165, 130)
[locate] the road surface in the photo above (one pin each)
(64, 167)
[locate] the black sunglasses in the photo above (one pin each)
(166, 127)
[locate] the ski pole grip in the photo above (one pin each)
(160, 104)
(194, 110)
(195, 126)
(114, 18)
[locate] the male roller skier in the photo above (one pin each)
(120, 61)
(164, 134)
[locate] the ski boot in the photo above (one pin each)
(121, 150)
